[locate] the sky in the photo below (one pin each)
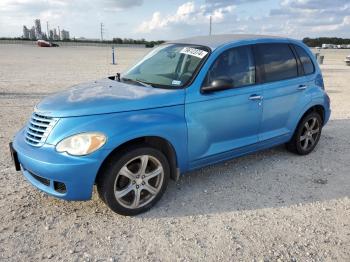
(172, 19)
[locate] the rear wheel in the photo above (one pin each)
(133, 181)
(306, 135)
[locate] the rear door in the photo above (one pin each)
(283, 85)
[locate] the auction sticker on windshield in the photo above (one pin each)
(176, 82)
(194, 52)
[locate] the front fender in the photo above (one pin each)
(166, 122)
(169, 125)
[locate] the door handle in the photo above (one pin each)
(255, 97)
(302, 87)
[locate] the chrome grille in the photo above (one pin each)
(38, 129)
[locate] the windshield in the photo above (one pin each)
(169, 66)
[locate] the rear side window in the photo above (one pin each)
(305, 60)
(236, 65)
(277, 61)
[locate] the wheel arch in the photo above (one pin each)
(156, 142)
(315, 108)
(294, 144)
(319, 108)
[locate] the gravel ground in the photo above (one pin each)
(271, 205)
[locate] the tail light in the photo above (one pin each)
(319, 81)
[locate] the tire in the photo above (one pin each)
(306, 135)
(133, 180)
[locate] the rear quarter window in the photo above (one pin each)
(277, 61)
(305, 59)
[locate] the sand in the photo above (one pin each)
(271, 205)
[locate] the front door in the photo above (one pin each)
(225, 123)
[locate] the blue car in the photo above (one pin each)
(187, 104)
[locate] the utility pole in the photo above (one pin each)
(210, 25)
(59, 33)
(47, 30)
(102, 32)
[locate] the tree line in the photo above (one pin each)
(313, 42)
(114, 41)
(142, 41)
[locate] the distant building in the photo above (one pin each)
(55, 35)
(331, 46)
(38, 32)
(32, 35)
(64, 35)
(51, 34)
(328, 46)
(25, 32)
(35, 33)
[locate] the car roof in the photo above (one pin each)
(214, 41)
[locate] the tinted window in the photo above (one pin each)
(278, 62)
(305, 60)
(236, 64)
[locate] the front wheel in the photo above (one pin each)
(134, 180)
(306, 135)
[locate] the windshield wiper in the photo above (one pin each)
(137, 81)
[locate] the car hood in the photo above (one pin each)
(107, 96)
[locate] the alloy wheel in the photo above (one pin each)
(138, 181)
(310, 133)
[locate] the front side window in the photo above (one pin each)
(169, 66)
(235, 66)
(278, 62)
(305, 60)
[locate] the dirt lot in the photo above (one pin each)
(270, 205)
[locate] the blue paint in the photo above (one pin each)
(202, 128)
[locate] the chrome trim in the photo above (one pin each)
(35, 136)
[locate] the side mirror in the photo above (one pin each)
(218, 85)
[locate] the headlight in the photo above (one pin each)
(81, 144)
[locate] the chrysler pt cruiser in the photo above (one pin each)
(187, 104)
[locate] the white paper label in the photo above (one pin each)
(194, 52)
(176, 82)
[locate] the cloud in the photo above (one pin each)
(344, 25)
(40, 5)
(125, 3)
(212, 5)
(295, 18)
(30, 6)
(229, 2)
(314, 4)
(80, 17)
(313, 16)
(116, 5)
(187, 14)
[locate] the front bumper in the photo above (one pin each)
(60, 175)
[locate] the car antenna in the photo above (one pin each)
(117, 77)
